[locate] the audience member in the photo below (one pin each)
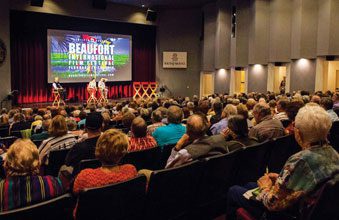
(44, 132)
(222, 124)
(156, 118)
(281, 110)
(86, 149)
(196, 144)
(292, 111)
(327, 104)
(171, 133)
(217, 108)
(23, 185)
(59, 138)
(139, 139)
(111, 147)
(267, 127)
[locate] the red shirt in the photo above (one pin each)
(143, 143)
(89, 178)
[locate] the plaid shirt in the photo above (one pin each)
(141, 143)
(301, 174)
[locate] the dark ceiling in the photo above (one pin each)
(164, 3)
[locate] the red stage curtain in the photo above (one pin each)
(29, 55)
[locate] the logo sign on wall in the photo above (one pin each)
(177, 60)
(3, 52)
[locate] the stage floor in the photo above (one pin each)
(46, 104)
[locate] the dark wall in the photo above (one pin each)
(257, 78)
(29, 39)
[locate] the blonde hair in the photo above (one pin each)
(229, 110)
(111, 147)
(313, 122)
(58, 127)
(22, 159)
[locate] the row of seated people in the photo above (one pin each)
(301, 174)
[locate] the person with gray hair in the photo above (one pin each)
(156, 118)
(267, 128)
(222, 124)
(195, 144)
(303, 172)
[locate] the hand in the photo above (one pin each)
(228, 133)
(265, 182)
(183, 140)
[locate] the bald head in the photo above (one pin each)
(197, 126)
(139, 127)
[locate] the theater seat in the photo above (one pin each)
(172, 192)
(56, 160)
(8, 141)
(217, 176)
(143, 159)
(242, 214)
(252, 163)
(281, 149)
(334, 135)
(125, 200)
(164, 155)
(54, 209)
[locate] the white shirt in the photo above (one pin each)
(101, 85)
(92, 84)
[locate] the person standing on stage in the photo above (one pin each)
(92, 84)
(102, 87)
(57, 86)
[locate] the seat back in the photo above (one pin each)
(54, 209)
(217, 176)
(326, 205)
(125, 200)
(171, 192)
(334, 135)
(56, 160)
(165, 153)
(90, 163)
(8, 141)
(143, 159)
(16, 134)
(281, 149)
(4, 131)
(252, 163)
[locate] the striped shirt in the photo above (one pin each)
(55, 143)
(143, 143)
(20, 191)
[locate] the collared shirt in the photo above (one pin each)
(333, 115)
(151, 128)
(219, 126)
(267, 129)
(101, 85)
(301, 174)
(281, 116)
(142, 143)
(92, 84)
(55, 143)
(169, 134)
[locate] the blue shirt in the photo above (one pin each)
(218, 127)
(169, 134)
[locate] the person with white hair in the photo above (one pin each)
(222, 124)
(302, 173)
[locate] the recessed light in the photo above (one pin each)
(143, 6)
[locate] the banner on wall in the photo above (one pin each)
(175, 60)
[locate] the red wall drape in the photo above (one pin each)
(29, 55)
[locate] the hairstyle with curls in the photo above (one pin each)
(22, 159)
(111, 147)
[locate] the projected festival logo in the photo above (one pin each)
(84, 55)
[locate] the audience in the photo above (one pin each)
(23, 185)
(59, 138)
(301, 174)
(292, 111)
(217, 108)
(267, 128)
(222, 124)
(139, 139)
(171, 133)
